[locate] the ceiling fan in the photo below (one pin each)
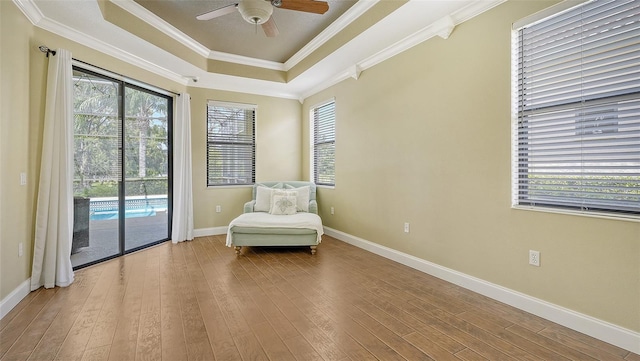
(258, 12)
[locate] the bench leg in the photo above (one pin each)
(313, 249)
(238, 248)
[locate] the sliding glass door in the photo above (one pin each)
(97, 168)
(147, 154)
(122, 168)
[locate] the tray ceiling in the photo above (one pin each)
(232, 34)
(227, 53)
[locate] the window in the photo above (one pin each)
(577, 136)
(231, 144)
(323, 118)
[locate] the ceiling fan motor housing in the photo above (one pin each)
(255, 11)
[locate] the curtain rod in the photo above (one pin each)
(45, 49)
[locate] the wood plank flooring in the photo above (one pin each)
(198, 301)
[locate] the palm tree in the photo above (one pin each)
(95, 130)
(98, 131)
(142, 109)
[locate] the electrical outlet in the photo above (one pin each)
(218, 209)
(20, 249)
(406, 227)
(534, 258)
(332, 210)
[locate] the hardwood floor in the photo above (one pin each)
(198, 301)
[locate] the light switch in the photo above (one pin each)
(23, 179)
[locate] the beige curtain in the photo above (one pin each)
(182, 223)
(54, 215)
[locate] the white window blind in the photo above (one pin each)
(578, 103)
(324, 143)
(577, 140)
(230, 144)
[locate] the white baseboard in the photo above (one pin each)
(602, 330)
(213, 231)
(13, 298)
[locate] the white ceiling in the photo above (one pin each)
(412, 23)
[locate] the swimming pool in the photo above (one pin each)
(107, 208)
(128, 213)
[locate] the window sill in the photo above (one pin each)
(231, 186)
(621, 217)
(325, 187)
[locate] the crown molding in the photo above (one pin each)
(474, 9)
(245, 60)
(355, 71)
(337, 26)
(237, 84)
(152, 19)
(403, 45)
(350, 72)
(91, 42)
(387, 53)
(30, 10)
(442, 27)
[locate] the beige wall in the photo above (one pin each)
(278, 152)
(424, 138)
(16, 201)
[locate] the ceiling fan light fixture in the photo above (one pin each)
(255, 11)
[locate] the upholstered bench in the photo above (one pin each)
(270, 219)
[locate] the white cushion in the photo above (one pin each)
(302, 198)
(283, 204)
(263, 199)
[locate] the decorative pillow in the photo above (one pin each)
(303, 197)
(263, 199)
(283, 192)
(275, 186)
(283, 204)
(263, 196)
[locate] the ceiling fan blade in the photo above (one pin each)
(218, 12)
(309, 6)
(270, 28)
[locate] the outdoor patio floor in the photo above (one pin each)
(103, 236)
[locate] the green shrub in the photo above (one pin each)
(137, 187)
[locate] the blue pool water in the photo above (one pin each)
(128, 213)
(102, 209)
